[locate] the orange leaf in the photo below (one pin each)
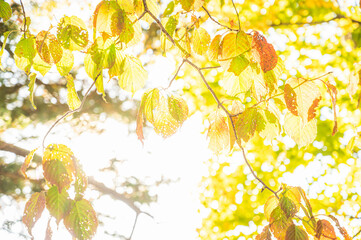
(27, 161)
(324, 230)
(33, 209)
(218, 133)
(48, 47)
(264, 52)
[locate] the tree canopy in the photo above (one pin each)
(277, 84)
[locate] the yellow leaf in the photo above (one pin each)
(200, 41)
(218, 133)
(133, 74)
(234, 44)
(213, 50)
(126, 5)
(27, 161)
(72, 97)
(41, 66)
(66, 62)
(302, 133)
(32, 78)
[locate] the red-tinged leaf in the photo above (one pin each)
(139, 129)
(234, 44)
(218, 133)
(303, 98)
(312, 109)
(187, 4)
(295, 233)
(200, 41)
(332, 91)
(57, 203)
(248, 123)
(341, 229)
(49, 231)
(288, 207)
(265, 234)
(81, 221)
(33, 210)
(280, 223)
(264, 52)
(27, 161)
(324, 230)
(270, 205)
(58, 165)
(48, 47)
(81, 183)
(302, 133)
(213, 50)
(72, 33)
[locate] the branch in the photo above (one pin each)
(176, 74)
(71, 111)
(22, 6)
(235, 9)
(214, 20)
(135, 223)
(7, 147)
(315, 22)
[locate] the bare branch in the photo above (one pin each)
(135, 223)
(235, 9)
(214, 20)
(313, 23)
(22, 6)
(176, 74)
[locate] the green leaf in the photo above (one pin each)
(187, 4)
(169, 9)
(58, 165)
(5, 10)
(66, 63)
(200, 41)
(133, 74)
(117, 67)
(280, 223)
(81, 221)
(32, 78)
(25, 53)
(57, 203)
(48, 47)
(238, 64)
(41, 66)
(218, 133)
(248, 122)
(288, 207)
(302, 133)
(33, 209)
(72, 97)
(72, 33)
(295, 233)
(171, 25)
(27, 161)
(177, 108)
(234, 44)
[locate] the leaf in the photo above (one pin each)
(213, 50)
(272, 126)
(81, 221)
(171, 25)
(27, 161)
(234, 44)
(280, 223)
(49, 231)
(238, 64)
(270, 205)
(218, 133)
(72, 33)
(81, 183)
(248, 123)
(117, 67)
(33, 209)
(32, 78)
(264, 52)
(25, 53)
(305, 199)
(133, 75)
(48, 47)
(66, 63)
(153, 7)
(295, 233)
(288, 207)
(302, 133)
(58, 203)
(41, 66)
(332, 91)
(5, 10)
(304, 98)
(169, 9)
(200, 41)
(341, 229)
(71, 97)
(324, 230)
(178, 108)
(265, 234)
(58, 165)
(187, 4)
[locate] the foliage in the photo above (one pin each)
(257, 99)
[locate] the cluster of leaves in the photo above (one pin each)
(63, 175)
(282, 215)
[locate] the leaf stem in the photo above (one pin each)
(235, 9)
(22, 6)
(70, 111)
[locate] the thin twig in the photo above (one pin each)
(70, 111)
(356, 234)
(214, 20)
(176, 74)
(135, 223)
(205, 68)
(22, 6)
(235, 9)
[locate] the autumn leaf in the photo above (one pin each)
(133, 76)
(66, 62)
(280, 223)
(295, 233)
(72, 33)
(234, 44)
(264, 52)
(32, 78)
(81, 183)
(24, 53)
(57, 203)
(58, 165)
(238, 64)
(81, 221)
(302, 133)
(270, 205)
(341, 229)
(265, 234)
(48, 47)
(324, 230)
(72, 97)
(213, 50)
(218, 133)
(248, 123)
(33, 209)
(288, 206)
(200, 41)
(126, 5)
(27, 161)
(187, 4)
(40, 65)
(5, 10)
